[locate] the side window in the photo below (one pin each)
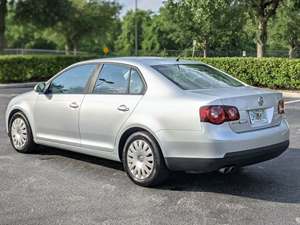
(113, 79)
(73, 81)
(136, 85)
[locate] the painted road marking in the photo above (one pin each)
(8, 95)
(294, 101)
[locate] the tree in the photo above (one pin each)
(83, 21)
(42, 13)
(262, 10)
(3, 10)
(74, 20)
(30, 20)
(163, 33)
(287, 26)
(126, 41)
(206, 21)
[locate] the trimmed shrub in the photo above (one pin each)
(280, 73)
(267, 72)
(34, 68)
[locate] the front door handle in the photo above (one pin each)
(74, 105)
(123, 108)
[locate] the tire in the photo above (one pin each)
(20, 134)
(139, 150)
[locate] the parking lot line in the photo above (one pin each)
(8, 95)
(294, 101)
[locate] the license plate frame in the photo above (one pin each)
(258, 116)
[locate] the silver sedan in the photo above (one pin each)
(155, 115)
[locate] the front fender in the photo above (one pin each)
(24, 103)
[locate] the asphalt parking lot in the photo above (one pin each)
(60, 187)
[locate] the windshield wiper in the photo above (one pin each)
(105, 81)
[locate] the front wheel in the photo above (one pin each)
(20, 133)
(143, 160)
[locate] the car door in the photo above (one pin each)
(57, 111)
(117, 91)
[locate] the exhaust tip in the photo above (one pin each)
(227, 169)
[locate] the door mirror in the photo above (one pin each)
(40, 87)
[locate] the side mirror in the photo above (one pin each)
(40, 87)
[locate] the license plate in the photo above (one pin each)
(258, 116)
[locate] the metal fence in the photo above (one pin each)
(165, 52)
(229, 53)
(23, 51)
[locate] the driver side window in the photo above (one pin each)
(72, 81)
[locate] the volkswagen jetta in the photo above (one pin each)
(155, 115)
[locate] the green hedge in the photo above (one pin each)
(33, 68)
(279, 73)
(267, 72)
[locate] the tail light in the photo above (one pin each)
(281, 106)
(218, 114)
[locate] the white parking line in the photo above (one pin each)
(8, 95)
(294, 101)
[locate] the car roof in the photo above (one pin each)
(143, 61)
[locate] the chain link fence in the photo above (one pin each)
(165, 52)
(211, 53)
(23, 51)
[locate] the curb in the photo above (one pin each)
(290, 94)
(18, 85)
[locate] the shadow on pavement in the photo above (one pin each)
(47, 151)
(275, 180)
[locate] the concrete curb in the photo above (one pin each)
(18, 85)
(290, 94)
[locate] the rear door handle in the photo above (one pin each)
(74, 105)
(123, 108)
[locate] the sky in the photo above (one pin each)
(153, 5)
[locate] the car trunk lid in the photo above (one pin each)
(258, 108)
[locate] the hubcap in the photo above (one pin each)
(19, 133)
(140, 159)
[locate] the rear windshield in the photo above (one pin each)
(196, 76)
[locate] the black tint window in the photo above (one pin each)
(73, 81)
(196, 76)
(113, 79)
(136, 84)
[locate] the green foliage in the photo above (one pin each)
(74, 21)
(267, 72)
(125, 43)
(88, 20)
(286, 29)
(33, 68)
(3, 11)
(164, 33)
(45, 13)
(26, 35)
(211, 23)
(221, 27)
(261, 11)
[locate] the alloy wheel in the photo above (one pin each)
(19, 133)
(140, 159)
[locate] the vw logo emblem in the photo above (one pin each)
(260, 101)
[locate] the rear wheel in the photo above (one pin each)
(20, 133)
(143, 160)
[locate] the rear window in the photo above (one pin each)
(196, 76)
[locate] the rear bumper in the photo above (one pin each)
(239, 158)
